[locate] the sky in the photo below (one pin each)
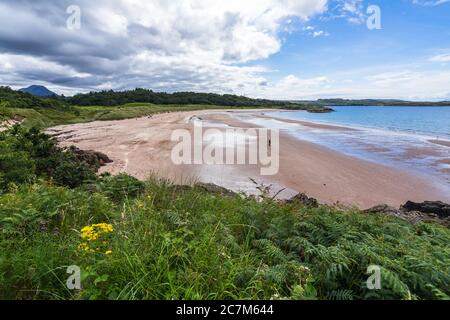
(276, 49)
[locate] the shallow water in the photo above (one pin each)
(428, 121)
(395, 136)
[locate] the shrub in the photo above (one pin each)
(120, 187)
(26, 153)
(15, 166)
(45, 208)
(72, 173)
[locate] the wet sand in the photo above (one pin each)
(306, 123)
(441, 142)
(143, 146)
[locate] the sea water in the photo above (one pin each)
(428, 121)
(399, 137)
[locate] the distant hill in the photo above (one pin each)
(374, 102)
(20, 99)
(39, 91)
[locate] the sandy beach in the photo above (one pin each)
(141, 147)
(441, 142)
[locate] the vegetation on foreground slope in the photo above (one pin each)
(153, 240)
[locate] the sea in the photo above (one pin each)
(400, 137)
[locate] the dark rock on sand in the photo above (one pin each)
(384, 209)
(435, 207)
(212, 188)
(412, 216)
(303, 199)
(93, 158)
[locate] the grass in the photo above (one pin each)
(44, 118)
(184, 243)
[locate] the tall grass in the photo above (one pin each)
(184, 243)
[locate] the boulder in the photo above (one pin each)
(93, 158)
(438, 208)
(412, 216)
(212, 188)
(384, 208)
(303, 199)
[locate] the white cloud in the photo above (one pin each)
(351, 10)
(441, 58)
(430, 2)
(198, 45)
(320, 33)
(411, 84)
(176, 45)
(311, 31)
(293, 87)
(402, 83)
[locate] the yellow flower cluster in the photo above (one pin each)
(84, 247)
(95, 236)
(94, 232)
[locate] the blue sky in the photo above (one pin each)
(412, 37)
(282, 49)
(410, 34)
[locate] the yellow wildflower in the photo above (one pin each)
(94, 235)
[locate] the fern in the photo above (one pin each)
(341, 295)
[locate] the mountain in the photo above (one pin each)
(39, 91)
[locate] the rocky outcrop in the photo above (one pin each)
(435, 207)
(384, 209)
(212, 188)
(415, 212)
(93, 158)
(303, 199)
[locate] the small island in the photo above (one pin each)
(321, 110)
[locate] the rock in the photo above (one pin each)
(212, 188)
(93, 158)
(303, 199)
(411, 216)
(438, 208)
(384, 208)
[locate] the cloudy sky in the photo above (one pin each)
(283, 49)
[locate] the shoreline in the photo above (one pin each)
(142, 147)
(432, 155)
(349, 128)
